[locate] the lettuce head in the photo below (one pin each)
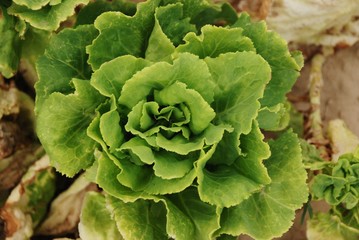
(163, 109)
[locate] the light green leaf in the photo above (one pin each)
(9, 44)
(273, 48)
(274, 118)
(170, 166)
(270, 212)
(96, 221)
(112, 75)
(159, 46)
(214, 41)
(57, 67)
(142, 178)
(47, 18)
(341, 184)
(202, 219)
(65, 139)
(181, 216)
(111, 130)
(107, 173)
(240, 80)
(201, 112)
(121, 35)
(141, 219)
(148, 80)
(226, 186)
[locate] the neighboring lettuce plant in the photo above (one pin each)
(25, 29)
(338, 185)
(164, 110)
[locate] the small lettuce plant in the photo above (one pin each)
(164, 110)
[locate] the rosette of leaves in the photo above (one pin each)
(163, 113)
(338, 185)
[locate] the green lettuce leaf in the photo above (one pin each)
(341, 184)
(66, 139)
(65, 64)
(46, 17)
(96, 219)
(285, 66)
(130, 33)
(269, 213)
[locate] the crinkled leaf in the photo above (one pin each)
(65, 139)
(240, 80)
(311, 156)
(9, 44)
(214, 41)
(112, 75)
(270, 212)
(173, 22)
(226, 186)
(285, 68)
(121, 34)
(96, 221)
(341, 185)
(57, 67)
(49, 17)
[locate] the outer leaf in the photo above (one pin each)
(65, 139)
(9, 44)
(47, 18)
(216, 40)
(240, 80)
(91, 11)
(139, 220)
(57, 67)
(269, 213)
(181, 216)
(203, 218)
(130, 34)
(96, 221)
(285, 68)
(226, 186)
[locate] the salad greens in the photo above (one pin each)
(164, 109)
